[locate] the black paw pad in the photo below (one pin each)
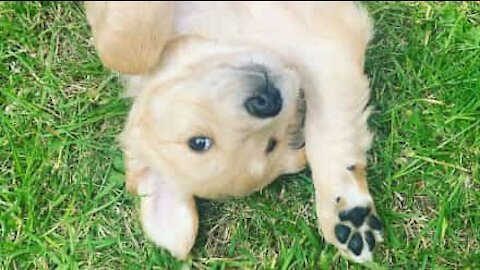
(374, 223)
(370, 239)
(356, 215)
(342, 232)
(356, 244)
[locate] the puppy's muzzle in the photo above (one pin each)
(266, 100)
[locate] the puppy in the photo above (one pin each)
(230, 95)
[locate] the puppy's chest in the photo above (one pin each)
(235, 19)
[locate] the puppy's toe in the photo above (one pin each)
(357, 232)
(351, 224)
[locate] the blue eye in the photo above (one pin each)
(200, 143)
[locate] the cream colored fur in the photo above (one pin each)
(183, 58)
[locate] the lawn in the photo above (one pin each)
(63, 202)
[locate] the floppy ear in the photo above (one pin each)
(129, 36)
(168, 214)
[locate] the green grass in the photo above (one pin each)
(62, 198)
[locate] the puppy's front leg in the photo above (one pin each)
(129, 36)
(337, 139)
(168, 214)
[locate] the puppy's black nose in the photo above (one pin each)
(266, 100)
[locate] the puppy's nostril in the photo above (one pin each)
(267, 103)
(261, 101)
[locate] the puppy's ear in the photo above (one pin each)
(168, 214)
(129, 36)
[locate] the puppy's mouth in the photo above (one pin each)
(297, 134)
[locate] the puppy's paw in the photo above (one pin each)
(357, 232)
(354, 229)
(347, 216)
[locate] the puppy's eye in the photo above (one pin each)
(272, 143)
(200, 143)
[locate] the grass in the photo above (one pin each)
(62, 198)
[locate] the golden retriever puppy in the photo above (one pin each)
(230, 95)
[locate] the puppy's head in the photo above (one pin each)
(217, 123)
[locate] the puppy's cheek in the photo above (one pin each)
(294, 161)
(257, 169)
